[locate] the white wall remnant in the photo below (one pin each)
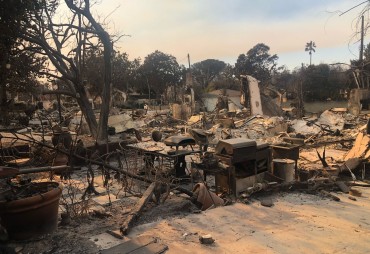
(251, 93)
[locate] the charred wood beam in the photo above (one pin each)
(135, 212)
(323, 143)
(12, 172)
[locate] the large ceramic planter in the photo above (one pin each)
(32, 216)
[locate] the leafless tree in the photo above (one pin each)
(63, 40)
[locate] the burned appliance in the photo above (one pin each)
(287, 151)
(178, 141)
(244, 159)
(179, 155)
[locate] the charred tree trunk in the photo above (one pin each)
(3, 80)
(102, 135)
(4, 108)
(86, 109)
(104, 111)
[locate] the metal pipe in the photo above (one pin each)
(6, 172)
(44, 169)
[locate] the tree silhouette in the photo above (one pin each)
(258, 62)
(206, 71)
(310, 47)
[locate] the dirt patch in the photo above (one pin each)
(297, 222)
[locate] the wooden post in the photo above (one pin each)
(136, 210)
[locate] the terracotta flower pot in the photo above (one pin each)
(34, 215)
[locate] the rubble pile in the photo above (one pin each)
(212, 158)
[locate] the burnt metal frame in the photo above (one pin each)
(175, 159)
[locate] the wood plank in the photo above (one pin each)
(136, 210)
(131, 245)
(115, 233)
(342, 186)
(356, 146)
(363, 146)
(153, 248)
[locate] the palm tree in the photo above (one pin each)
(310, 47)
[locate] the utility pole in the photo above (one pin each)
(362, 40)
(362, 52)
(360, 65)
(189, 61)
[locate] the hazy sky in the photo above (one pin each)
(224, 29)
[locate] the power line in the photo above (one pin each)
(353, 7)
